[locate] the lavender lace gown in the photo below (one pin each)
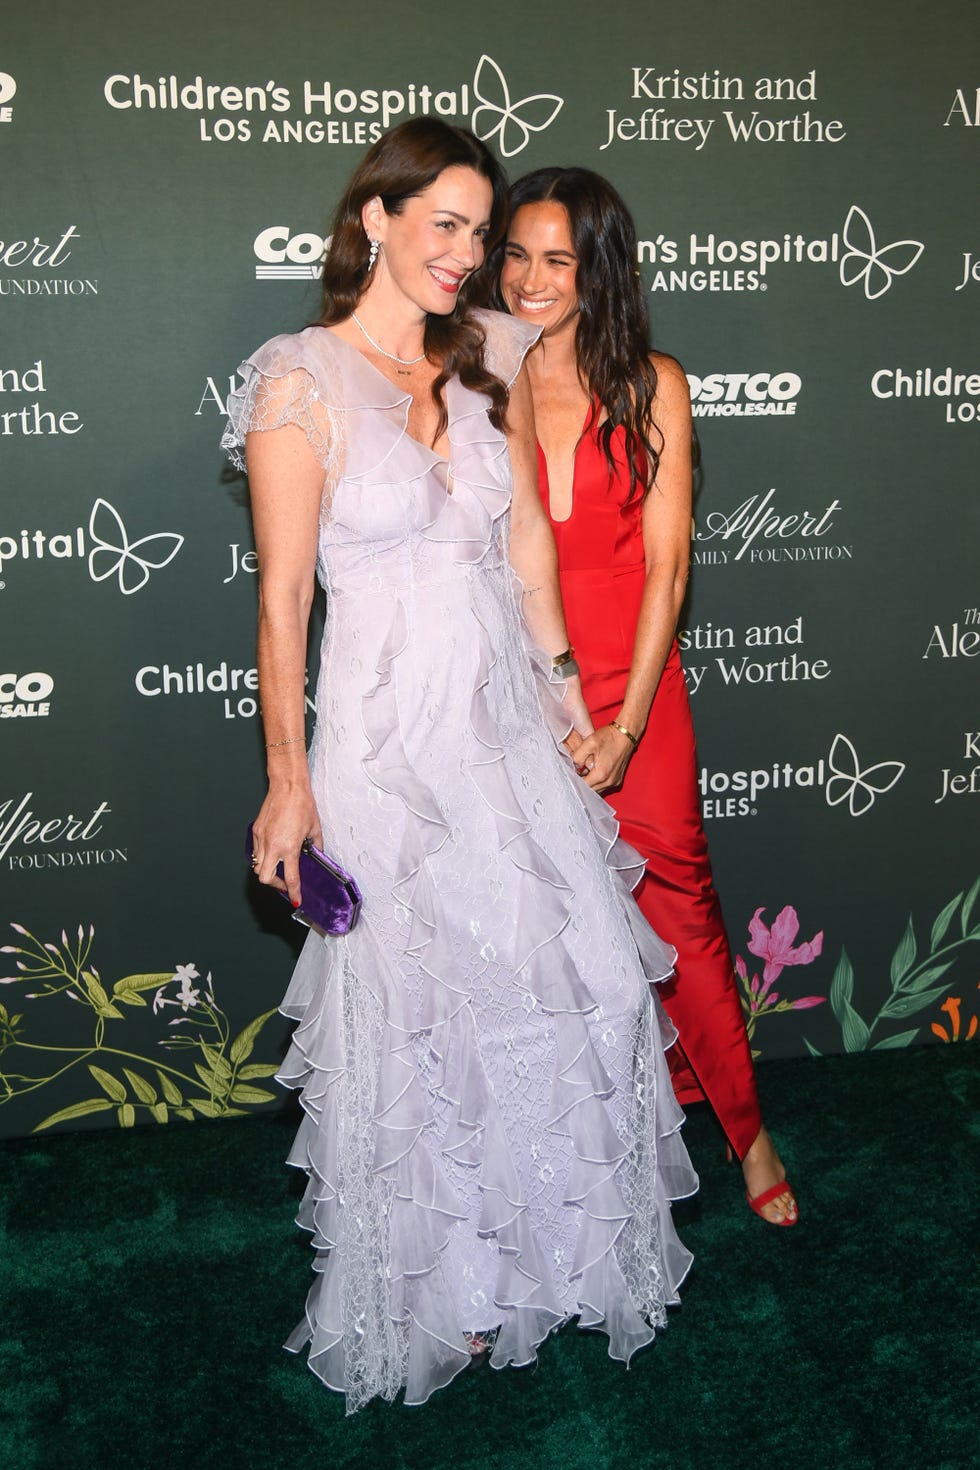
(490, 1134)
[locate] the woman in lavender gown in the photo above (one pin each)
(490, 1136)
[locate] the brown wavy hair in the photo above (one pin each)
(401, 164)
(612, 338)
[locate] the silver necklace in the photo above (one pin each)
(406, 362)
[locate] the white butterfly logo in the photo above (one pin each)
(849, 783)
(863, 261)
(114, 553)
(511, 122)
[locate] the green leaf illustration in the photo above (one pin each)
(245, 1094)
(143, 1089)
(170, 1090)
(842, 984)
(854, 1031)
(243, 1043)
(943, 920)
(903, 1004)
(926, 977)
(220, 1066)
(95, 988)
(109, 1084)
(894, 1043)
(904, 957)
(811, 1048)
(968, 903)
(97, 995)
(211, 1080)
(77, 1110)
(137, 983)
(217, 1061)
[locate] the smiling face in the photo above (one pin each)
(434, 243)
(537, 279)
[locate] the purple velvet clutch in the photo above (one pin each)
(331, 898)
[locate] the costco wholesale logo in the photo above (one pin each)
(742, 395)
(718, 264)
(283, 256)
(105, 545)
(25, 696)
(840, 775)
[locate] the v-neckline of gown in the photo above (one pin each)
(443, 459)
(547, 469)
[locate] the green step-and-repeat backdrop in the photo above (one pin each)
(804, 180)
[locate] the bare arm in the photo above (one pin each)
(667, 550)
(532, 548)
(286, 484)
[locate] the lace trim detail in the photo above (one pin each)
(276, 391)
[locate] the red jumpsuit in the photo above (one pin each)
(602, 568)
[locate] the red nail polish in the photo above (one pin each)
(295, 903)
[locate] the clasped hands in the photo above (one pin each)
(602, 757)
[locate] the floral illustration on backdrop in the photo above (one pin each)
(913, 977)
(204, 1071)
(777, 947)
(951, 1005)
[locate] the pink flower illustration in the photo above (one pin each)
(775, 945)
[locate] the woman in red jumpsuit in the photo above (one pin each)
(614, 458)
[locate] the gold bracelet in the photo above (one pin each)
(295, 740)
(628, 733)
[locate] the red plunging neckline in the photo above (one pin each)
(564, 520)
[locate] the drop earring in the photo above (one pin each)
(373, 254)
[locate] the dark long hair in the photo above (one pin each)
(612, 338)
(403, 163)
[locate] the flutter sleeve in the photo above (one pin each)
(282, 384)
(508, 342)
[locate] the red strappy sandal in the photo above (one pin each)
(767, 1196)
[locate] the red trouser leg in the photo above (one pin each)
(659, 812)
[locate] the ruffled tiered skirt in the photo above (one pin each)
(490, 1136)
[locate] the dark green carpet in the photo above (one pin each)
(147, 1278)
